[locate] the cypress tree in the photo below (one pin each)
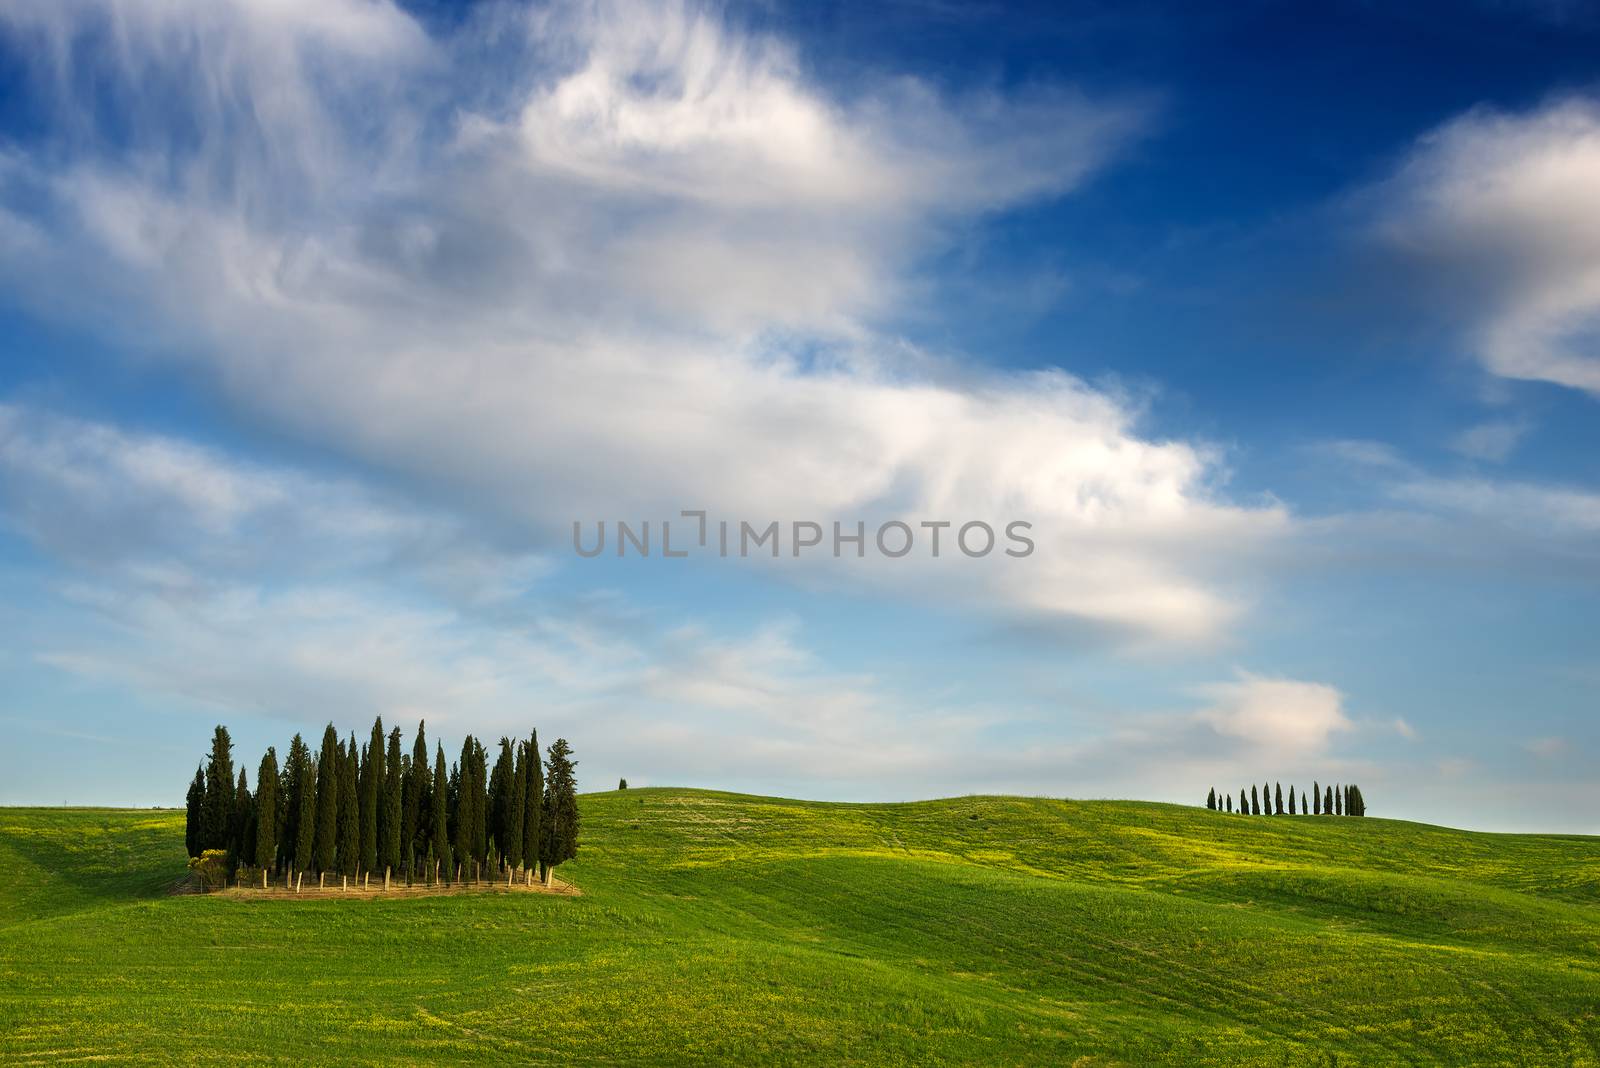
(218, 808)
(1244, 803)
(241, 848)
(1327, 801)
(1291, 799)
(499, 805)
(559, 825)
(480, 803)
(350, 809)
(464, 836)
(514, 803)
(1211, 796)
(1266, 799)
(266, 852)
(1277, 803)
(1230, 804)
(622, 784)
(305, 805)
(417, 806)
(1316, 798)
(532, 803)
(194, 814)
(391, 826)
(1338, 802)
(370, 783)
(439, 834)
(326, 847)
(1255, 802)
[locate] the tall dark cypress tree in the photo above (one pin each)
(1277, 801)
(480, 803)
(1316, 798)
(218, 808)
(465, 834)
(1338, 802)
(350, 809)
(514, 803)
(1327, 801)
(1244, 803)
(1255, 801)
(370, 783)
(439, 831)
(391, 825)
(533, 804)
(1230, 804)
(559, 824)
(241, 846)
(305, 806)
(1211, 799)
(500, 783)
(326, 849)
(1291, 799)
(194, 814)
(266, 857)
(418, 808)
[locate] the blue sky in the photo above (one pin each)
(323, 322)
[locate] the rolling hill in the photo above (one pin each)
(718, 928)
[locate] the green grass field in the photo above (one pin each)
(717, 928)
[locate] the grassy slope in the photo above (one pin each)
(721, 928)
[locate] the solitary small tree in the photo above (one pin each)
(560, 817)
(266, 857)
(194, 814)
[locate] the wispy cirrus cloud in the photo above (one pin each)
(1502, 211)
(615, 259)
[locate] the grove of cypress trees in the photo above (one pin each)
(266, 852)
(390, 823)
(532, 805)
(194, 814)
(439, 834)
(370, 783)
(217, 811)
(559, 825)
(349, 808)
(326, 849)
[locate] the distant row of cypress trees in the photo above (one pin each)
(355, 811)
(1329, 801)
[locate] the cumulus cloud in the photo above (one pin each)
(1287, 717)
(1503, 209)
(605, 261)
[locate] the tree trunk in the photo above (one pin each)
(297, 877)
(344, 880)
(386, 878)
(549, 876)
(263, 878)
(321, 876)
(508, 877)
(528, 874)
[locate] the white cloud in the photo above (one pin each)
(1404, 729)
(1285, 717)
(633, 261)
(1505, 210)
(1546, 748)
(1494, 440)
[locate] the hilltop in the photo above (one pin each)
(720, 928)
